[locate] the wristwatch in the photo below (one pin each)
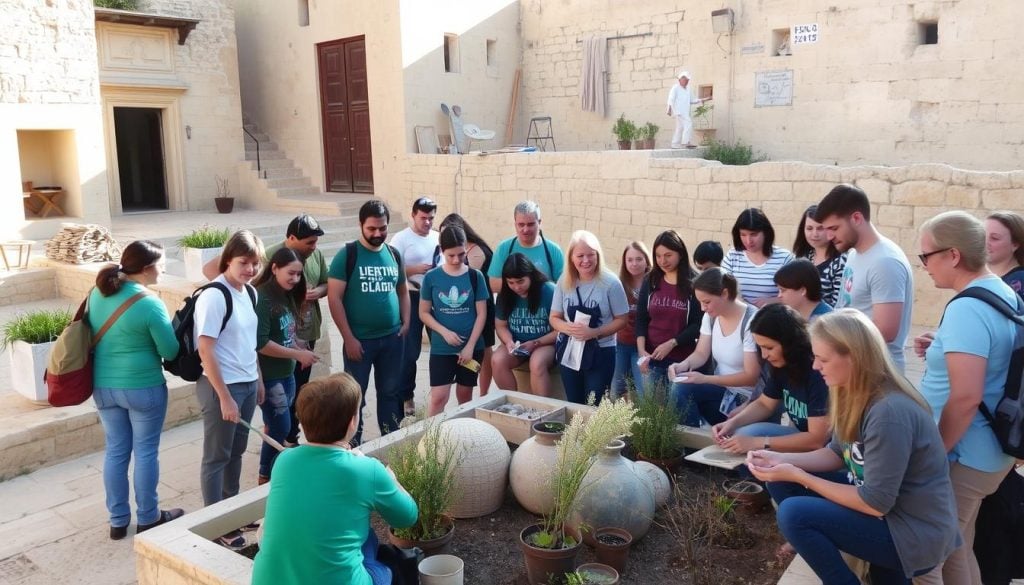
(767, 442)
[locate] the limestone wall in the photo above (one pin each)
(866, 93)
(621, 196)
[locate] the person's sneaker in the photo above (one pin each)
(250, 527)
(262, 479)
(232, 540)
(165, 516)
(118, 532)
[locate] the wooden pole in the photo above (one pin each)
(512, 108)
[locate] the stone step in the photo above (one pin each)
(265, 155)
(285, 182)
(325, 203)
(289, 191)
(282, 173)
(280, 163)
(265, 146)
(256, 136)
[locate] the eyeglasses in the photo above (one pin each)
(924, 257)
(424, 202)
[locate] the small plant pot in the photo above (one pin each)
(436, 546)
(598, 574)
(611, 546)
(669, 464)
(639, 144)
(441, 570)
(625, 144)
(649, 144)
(750, 497)
(544, 565)
(224, 204)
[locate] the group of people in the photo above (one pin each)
(867, 464)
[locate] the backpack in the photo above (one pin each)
(351, 251)
(187, 365)
(68, 374)
(999, 532)
(1008, 420)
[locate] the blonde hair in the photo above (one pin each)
(872, 372)
(242, 243)
(1014, 223)
(571, 276)
(961, 231)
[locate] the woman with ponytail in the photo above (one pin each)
(128, 383)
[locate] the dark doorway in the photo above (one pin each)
(345, 108)
(140, 158)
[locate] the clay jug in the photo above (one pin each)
(614, 495)
(533, 464)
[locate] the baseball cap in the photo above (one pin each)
(683, 74)
(304, 226)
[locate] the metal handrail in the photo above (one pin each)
(259, 169)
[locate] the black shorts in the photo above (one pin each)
(445, 369)
(488, 333)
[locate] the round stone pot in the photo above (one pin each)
(612, 494)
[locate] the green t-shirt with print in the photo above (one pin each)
(453, 304)
(315, 270)
(276, 314)
(371, 298)
(524, 325)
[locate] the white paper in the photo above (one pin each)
(573, 355)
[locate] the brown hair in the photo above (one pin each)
(136, 257)
(1014, 223)
(624, 276)
(326, 406)
(242, 243)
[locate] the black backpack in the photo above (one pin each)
(187, 365)
(1008, 420)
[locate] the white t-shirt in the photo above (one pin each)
(415, 249)
(680, 98)
(728, 351)
(236, 344)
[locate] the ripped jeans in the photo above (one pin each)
(277, 417)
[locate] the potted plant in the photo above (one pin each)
(224, 201)
(654, 437)
(624, 131)
(426, 469)
(749, 496)
(200, 246)
(593, 574)
(28, 339)
(611, 546)
(649, 131)
(550, 547)
(700, 115)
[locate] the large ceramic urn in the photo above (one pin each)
(614, 495)
(533, 464)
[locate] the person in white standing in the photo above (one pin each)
(877, 279)
(679, 99)
(417, 244)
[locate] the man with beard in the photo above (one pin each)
(877, 279)
(368, 296)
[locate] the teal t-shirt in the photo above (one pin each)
(318, 516)
(536, 254)
(315, 270)
(453, 304)
(527, 326)
(276, 313)
(371, 298)
(128, 356)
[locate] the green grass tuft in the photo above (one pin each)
(732, 154)
(205, 237)
(35, 327)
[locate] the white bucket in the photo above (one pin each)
(441, 570)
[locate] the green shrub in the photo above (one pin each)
(205, 237)
(624, 129)
(426, 469)
(732, 154)
(654, 432)
(35, 327)
(117, 4)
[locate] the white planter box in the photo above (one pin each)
(195, 259)
(28, 363)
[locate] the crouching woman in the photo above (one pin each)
(898, 513)
(317, 526)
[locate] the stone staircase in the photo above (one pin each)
(281, 186)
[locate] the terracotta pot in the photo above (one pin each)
(749, 496)
(625, 144)
(670, 465)
(545, 565)
(224, 204)
(611, 546)
(613, 494)
(604, 573)
(436, 546)
(532, 466)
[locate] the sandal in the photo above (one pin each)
(232, 540)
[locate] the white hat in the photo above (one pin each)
(683, 74)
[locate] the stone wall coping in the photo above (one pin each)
(183, 25)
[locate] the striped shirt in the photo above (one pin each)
(756, 281)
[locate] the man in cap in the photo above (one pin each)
(679, 99)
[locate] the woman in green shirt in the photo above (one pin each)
(128, 383)
(281, 291)
(317, 524)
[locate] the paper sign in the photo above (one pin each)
(804, 34)
(773, 88)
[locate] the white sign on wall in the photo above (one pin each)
(804, 34)
(773, 88)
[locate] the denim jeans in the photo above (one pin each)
(766, 429)
(411, 349)
(301, 375)
(132, 420)
(223, 441)
(819, 529)
(384, 356)
(380, 574)
(625, 367)
(698, 401)
(277, 416)
(580, 385)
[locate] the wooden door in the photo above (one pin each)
(345, 106)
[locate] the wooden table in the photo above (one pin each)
(46, 199)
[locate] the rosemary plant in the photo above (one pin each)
(426, 469)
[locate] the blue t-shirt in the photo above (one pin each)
(823, 308)
(527, 326)
(536, 254)
(453, 304)
(972, 327)
(802, 399)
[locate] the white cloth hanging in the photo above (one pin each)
(593, 77)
